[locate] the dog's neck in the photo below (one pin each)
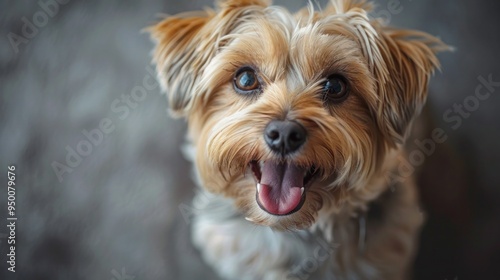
(362, 202)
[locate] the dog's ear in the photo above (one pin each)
(401, 62)
(185, 43)
(408, 59)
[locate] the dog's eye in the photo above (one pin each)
(335, 88)
(246, 81)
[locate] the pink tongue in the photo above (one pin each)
(280, 190)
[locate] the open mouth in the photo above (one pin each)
(281, 185)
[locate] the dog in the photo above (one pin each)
(297, 125)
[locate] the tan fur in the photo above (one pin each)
(355, 144)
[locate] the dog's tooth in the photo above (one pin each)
(302, 191)
(249, 219)
(259, 187)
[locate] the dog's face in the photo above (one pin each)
(292, 114)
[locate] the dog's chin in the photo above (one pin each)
(281, 185)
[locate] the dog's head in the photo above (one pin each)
(292, 113)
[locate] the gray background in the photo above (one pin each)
(116, 215)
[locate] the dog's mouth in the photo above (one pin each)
(281, 185)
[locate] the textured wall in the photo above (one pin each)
(114, 214)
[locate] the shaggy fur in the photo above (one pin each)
(353, 146)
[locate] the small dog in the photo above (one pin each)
(295, 123)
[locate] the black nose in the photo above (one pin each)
(285, 137)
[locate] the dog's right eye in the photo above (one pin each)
(246, 81)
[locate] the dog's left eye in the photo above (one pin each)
(335, 88)
(246, 81)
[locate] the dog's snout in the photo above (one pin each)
(285, 137)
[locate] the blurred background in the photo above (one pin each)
(100, 175)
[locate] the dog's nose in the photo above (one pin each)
(285, 137)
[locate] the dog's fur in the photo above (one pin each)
(355, 146)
